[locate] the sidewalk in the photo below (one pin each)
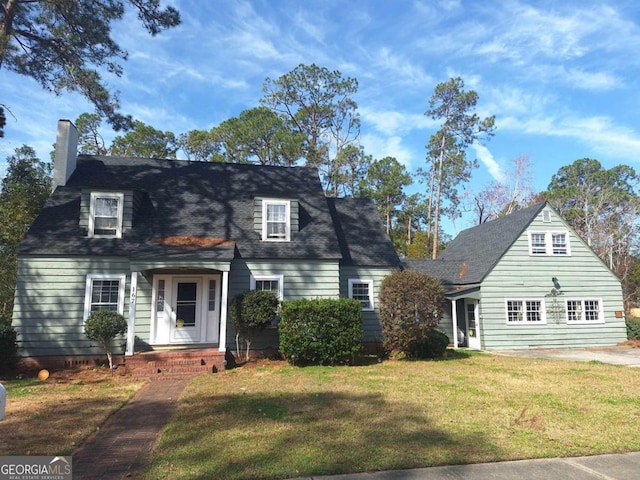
(624, 466)
(121, 446)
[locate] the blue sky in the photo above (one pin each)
(560, 77)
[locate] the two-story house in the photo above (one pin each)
(527, 280)
(168, 243)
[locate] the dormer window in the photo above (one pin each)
(276, 220)
(105, 214)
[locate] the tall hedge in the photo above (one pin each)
(411, 305)
(321, 331)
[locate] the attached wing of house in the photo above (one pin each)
(168, 243)
(527, 281)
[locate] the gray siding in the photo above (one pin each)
(302, 279)
(519, 275)
(49, 303)
(370, 319)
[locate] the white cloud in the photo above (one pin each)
(391, 146)
(391, 122)
(486, 158)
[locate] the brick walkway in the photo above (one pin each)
(124, 442)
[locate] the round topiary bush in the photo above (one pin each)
(251, 312)
(103, 326)
(411, 305)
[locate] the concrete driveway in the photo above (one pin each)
(618, 355)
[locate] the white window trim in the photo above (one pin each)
(278, 278)
(92, 210)
(89, 286)
(600, 320)
(548, 243)
(287, 204)
(369, 282)
(543, 311)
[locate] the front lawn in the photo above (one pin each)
(271, 420)
(53, 417)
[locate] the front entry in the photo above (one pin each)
(473, 324)
(187, 309)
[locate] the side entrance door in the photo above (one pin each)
(473, 323)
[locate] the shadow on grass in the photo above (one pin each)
(279, 435)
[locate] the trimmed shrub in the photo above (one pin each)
(411, 305)
(633, 328)
(433, 346)
(103, 326)
(251, 312)
(8, 347)
(321, 331)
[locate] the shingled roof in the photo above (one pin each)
(205, 210)
(471, 256)
(179, 199)
(362, 238)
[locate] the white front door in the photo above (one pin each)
(473, 323)
(186, 309)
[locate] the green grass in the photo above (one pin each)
(275, 421)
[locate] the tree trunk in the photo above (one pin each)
(436, 226)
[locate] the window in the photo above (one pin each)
(549, 243)
(104, 292)
(362, 290)
(276, 224)
(105, 215)
(525, 311)
(584, 311)
(559, 243)
(212, 295)
(270, 283)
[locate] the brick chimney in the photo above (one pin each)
(66, 152)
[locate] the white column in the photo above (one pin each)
(131, 327)
(454, 315)
(222, 346)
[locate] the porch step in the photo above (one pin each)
(174, 363)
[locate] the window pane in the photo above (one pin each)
(514, 311)
(160, 299)
(360, 292)
(574, 310)
(559, 244)
(591, 310)
(276, 221)
(538, 245)
(212, 295)
(534, 311)
(104, 295)
(268, 285)
(106, 207)
(186, 303)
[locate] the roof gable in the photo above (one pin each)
(471, 256)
